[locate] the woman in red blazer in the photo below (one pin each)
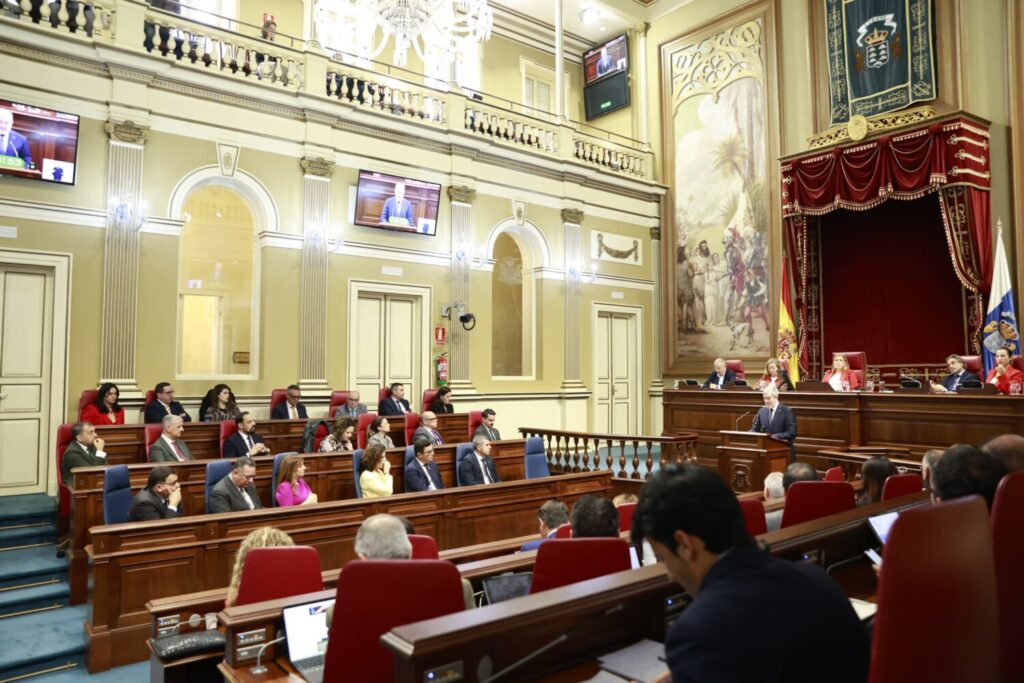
(1004, 375)
(105, 411)
(841, 377)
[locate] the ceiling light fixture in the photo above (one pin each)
(590, 15)
(428, 25)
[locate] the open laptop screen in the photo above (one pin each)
(880, 524)
(306, 629)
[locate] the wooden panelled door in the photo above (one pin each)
(26, 319)
(615, 358)
(389, 344)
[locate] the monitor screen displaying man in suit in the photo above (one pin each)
(245, 441)
(397, 209)
(13, 143)
(236, 492)
(478, 467)
(161, 499)
(292, 407)
(165, 405)
(422, 473)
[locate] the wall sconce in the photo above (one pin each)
(467, 320)
(321, 239)
(464, 254)
(127, 216)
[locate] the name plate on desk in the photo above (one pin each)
(814, 387)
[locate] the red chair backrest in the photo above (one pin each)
(150, 397)
(902, 485)
(321, 434)
(626, 511)
(274, 573)
(1007, 532)
(809, 500)
(737, 367)
(412, 423)
(938, 578)
(338, 399)
(423, 547)
(753, 516)
(278, 396)
(563, 561)
(1017, 362)
(834, 474)
(383, 394)
(973, 364)
(564, 531)
(64, 503)
(428, 397)
(227, 428)
(354, 652)
(153, 433)
(88, 396)
(858, 362)
(362, 422)
(476, 418)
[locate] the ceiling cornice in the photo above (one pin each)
(532, 32)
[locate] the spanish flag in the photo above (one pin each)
(788, 352)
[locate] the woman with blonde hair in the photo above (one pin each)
(375, 480)
(774, 374)
(264, 537)
(292, 489)
(840, 377)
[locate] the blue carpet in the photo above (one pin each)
(27, 565)
(49, 636)
(36, 505)
(25, 534)
(34, 597)
(132, 673)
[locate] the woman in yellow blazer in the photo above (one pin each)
(375, 480)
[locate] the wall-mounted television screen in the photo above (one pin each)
(37, 143)
(605, 60)
(396, 203)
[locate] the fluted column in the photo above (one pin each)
(572, 219)
(640, 128)
(461, 198)
(316, 221)
(121, 254)
(656, 307)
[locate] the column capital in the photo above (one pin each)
(126, 131)
(317, 166)
(656, 233)
(461, 193)
(573, 216)
(642, 28)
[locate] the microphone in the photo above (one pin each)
(749, 412)
(259, 668)
(614, 609)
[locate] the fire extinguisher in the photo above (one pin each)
(442, 369)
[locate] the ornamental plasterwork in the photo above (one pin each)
(842, 133)
(715, 62)
(461, 194)
(572, 216)
(606, 246)
(126, 131)
(317, 166)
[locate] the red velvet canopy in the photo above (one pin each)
(949, 156)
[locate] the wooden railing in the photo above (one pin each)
(621, 453)
(852, 459)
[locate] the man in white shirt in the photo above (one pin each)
(236, 492)
(292, 408)
(428, 428)
(170, 447)
(478, 468)
(245, 441)
(422, 473)
(86, 450)
(487, 428)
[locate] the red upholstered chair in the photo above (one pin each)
(362, 422)
(354, 652)
(423, 547)
(338, 399)
(1016, 362)
(277, 396)
(737, 367)
(858, 362)
(153, 433)
(88, 396)
(938, 578)
(563, 561)
(564, 531)
(1007, 532)
(150, 397)
(63, 492)
(412, 423)
(902, 485)
(274, 573)
(810, 500)
(428, 397)
(834, 474)
(626, 511)
(753, 516)
(974, 364)
(227, 428)
(476, 418)
(383, 394)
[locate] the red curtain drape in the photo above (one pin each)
(950, 157)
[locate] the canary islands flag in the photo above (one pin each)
(1000, 331)
(788, 352)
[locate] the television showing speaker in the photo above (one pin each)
(37, 143)
(605, 60)
(606, 78)
(397, 203)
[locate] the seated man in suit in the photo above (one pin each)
(486, 428)
(478, 468)
(13, 143)
(694, 523)
(594, 516)
(86, 450)
(719, 376)
(352, 407)
(428, 429)
(775, 419)
(958, 374)
(776, 488)
(245, 441)
(422, 473)
(236, 492)
(395, 404)
(966, 470)
(551, 515)
(170, 447)
(164, 405)
(292, 408)
(160, 499)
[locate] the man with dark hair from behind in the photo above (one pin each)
(694, 524)
(965, 470)
(594, 517)
(795, 471)
(1009, 448)
(551, 515)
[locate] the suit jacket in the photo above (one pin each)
(952, 382)
(848, 376)
(389, 406)
(225, 497)
(155, 412)
(490, 432)
(17, 146)
(730, 376)
(147, 505)
(783, 423)
(77, 455)
(343, 410)
(427, 434)
(280, 411)
(534, 544)
(416, 480)
(235, 446)
(161, 451)
(438, 407)
(727, 617)
(469, 470)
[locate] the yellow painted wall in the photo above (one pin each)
(288, 14)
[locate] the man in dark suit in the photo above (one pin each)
(478, 467)
(551, 515)
(291, 408)
(160, 499)
(236, 492)
(170, 447)
(352, 407)
(86, 450)
(395, 404)
(958, 374)
(693, 523)
(775, 419)
(720, 376)
(13, 143)
(428, 429)
(422, 473)
(487, 428)
(165, 405)
(245, 441)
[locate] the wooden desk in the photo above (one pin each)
(746, 458)
(135, 563)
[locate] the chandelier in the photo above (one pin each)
(430, 27)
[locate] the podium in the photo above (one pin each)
(746, 458)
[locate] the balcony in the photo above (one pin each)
(236, 56)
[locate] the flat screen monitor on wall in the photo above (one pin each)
(396, 203)
(605, 60)
(37, 143)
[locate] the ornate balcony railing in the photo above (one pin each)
(628, 456)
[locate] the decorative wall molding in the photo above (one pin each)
(316, 198)
(317, 166)
(607, 246)
(461, 194)
(126, 131)
(227, 157)
(45, 212)
(572, 216)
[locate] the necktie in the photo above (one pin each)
(248, 440)
(401, 408)
(771, 416)
(248, 500)
(483, 468)
(490, 433)
(3, 144)
(430, 479)
(437, 437)
(292, 412)
(178, 451)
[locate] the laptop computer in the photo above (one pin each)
(881, 524)
(507, 586)
(305, 627)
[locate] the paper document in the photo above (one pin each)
(641, 661)
(864, 610)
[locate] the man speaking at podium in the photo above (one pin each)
(775, 419)
(397, 209)
(13, 143)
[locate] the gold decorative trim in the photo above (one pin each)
(461, 194)
(853, 131)
(715, 62)
(317, 166)
(127, 131)
(656, 233)
(572, 216)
